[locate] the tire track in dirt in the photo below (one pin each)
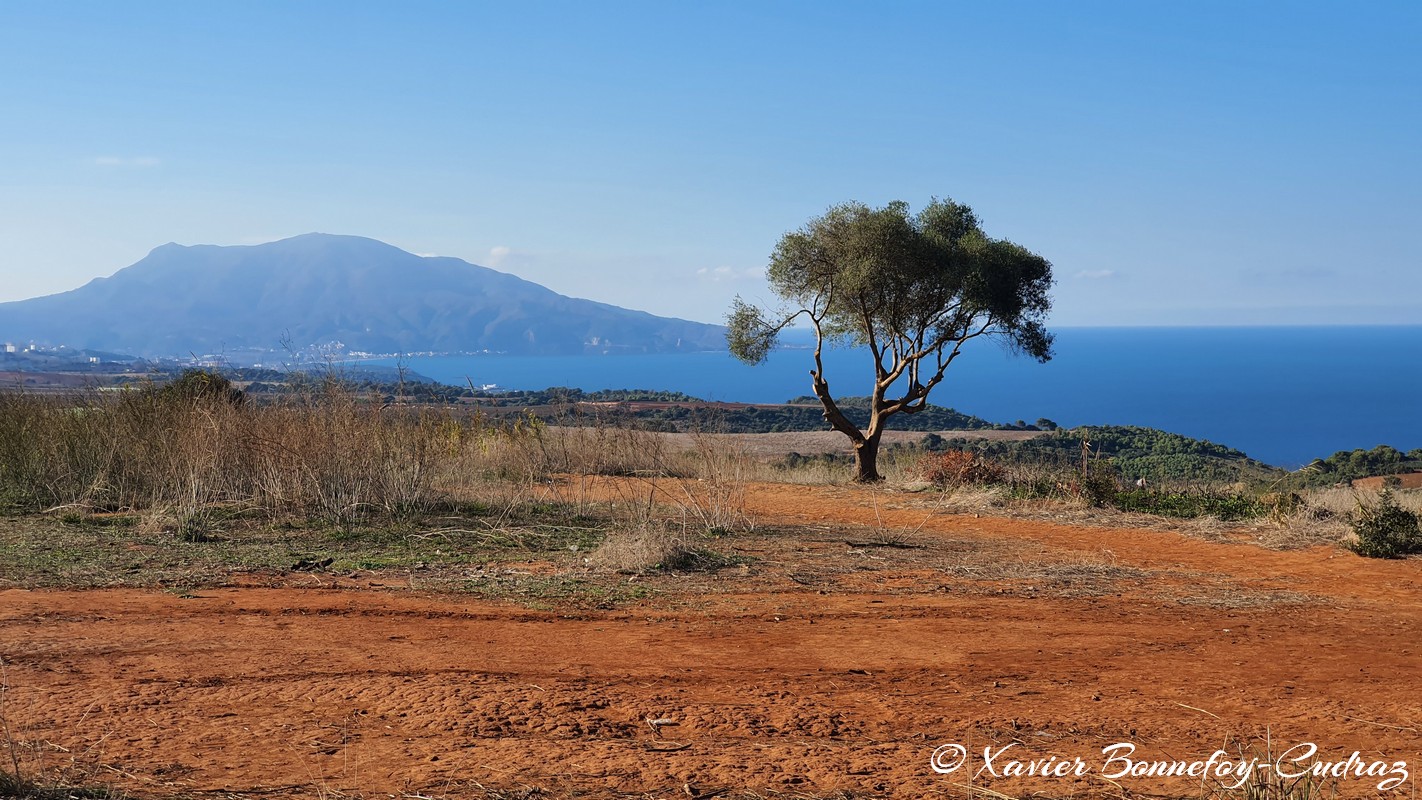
(1321, 570)
(844, 685)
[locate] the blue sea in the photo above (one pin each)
(1284, 395)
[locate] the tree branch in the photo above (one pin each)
(833, 415)
(919, 392)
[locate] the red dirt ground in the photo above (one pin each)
(1407, 480)
(820, 667)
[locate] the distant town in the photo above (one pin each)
(38, 366)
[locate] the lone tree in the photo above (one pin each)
(913, 289)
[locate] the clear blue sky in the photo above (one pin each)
(1179, 163)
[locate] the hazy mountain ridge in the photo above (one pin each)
(317, 288)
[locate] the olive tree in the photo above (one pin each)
(911, 288)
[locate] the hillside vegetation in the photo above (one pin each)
(187, 455)
(1349, 465)
(1132, 452)
(690, 417)
(1128, 453)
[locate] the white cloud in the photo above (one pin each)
(130, 161)
(499, 254)
(1095, 274)
(721, 274)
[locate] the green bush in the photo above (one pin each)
(1159, 456)
(1098, 487)
(1386, 529)
(1189, 505)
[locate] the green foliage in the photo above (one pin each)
(674, 411)
(795, 461)
(913, 289)
(562, 395)
(1133, 452)
(1098, 487)
(747, 332)
(1188, 505)
(884, 278)
(906, 286)
(928, 418)
(1349, 465)
(1184, 476)
(1386, 529)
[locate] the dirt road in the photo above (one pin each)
(824, 663)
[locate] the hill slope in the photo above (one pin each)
(1134, 452)
(317, 288)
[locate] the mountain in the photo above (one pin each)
(318, 288)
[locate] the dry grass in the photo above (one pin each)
(331, 454)
(337, 455)
(899, 468)
(1038, 571)
(248, 482)
(334, 455)
(974, 499)
(590, 450)
(1340, 501)
(698, 494)
(1324, 516)
(645, 548)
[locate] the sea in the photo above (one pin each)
(1283, 395)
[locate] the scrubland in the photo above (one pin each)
(331, 595)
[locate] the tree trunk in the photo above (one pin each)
(866, 461)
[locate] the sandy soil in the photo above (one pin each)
(837, 658)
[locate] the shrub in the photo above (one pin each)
(200, 385)
(649, 546)
(1189, 505)
(1097, 487)
(957, 467)
(1386, 529)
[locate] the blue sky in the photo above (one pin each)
(1185, 163)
